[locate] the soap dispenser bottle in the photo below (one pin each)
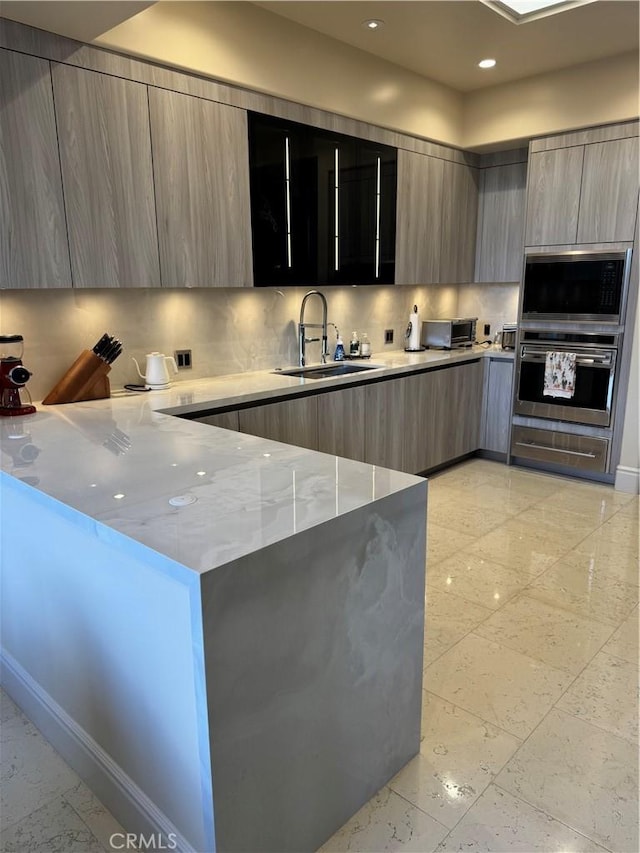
(338, 355)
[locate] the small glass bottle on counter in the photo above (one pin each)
(365, 346)
(354, 345)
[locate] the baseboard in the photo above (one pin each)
(117, 791)
(493, 455)
(627, 480)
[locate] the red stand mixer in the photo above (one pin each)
(13, 377)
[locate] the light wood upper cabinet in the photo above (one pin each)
(33, 239)
(553, 196)
(201, 172)
(501, 211)
(609, 196)
(437, 208)
(291, 421)
(105, 152)
(583, 193)
(419, 218)
(459, 223)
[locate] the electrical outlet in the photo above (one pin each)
(388, 336)
(487, 329)
(183, 359)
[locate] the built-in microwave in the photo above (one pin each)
(576, 286)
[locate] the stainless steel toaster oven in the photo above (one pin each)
(449, 334)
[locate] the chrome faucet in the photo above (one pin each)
(303, 340)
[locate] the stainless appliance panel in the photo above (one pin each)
(576, 286)
(508, 336)
(588, 453)
(594, 385)
(449, 334)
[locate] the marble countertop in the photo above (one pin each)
(123, 462)
(218, 392)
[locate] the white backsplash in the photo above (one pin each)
(494, 304)
(228, 330)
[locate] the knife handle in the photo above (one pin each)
(83, 374)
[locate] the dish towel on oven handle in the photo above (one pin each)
(559, 374)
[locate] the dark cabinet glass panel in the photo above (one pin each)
(323, 206)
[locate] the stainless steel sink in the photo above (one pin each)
(324, 371)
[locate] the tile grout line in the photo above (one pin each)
(553, 817)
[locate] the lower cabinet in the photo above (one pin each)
(419, 422)
(412, 424)
(460, 398)
(496, 417)
(291, 421)
(386, 419)
(446, 407)
(226, 420)
(341, 423)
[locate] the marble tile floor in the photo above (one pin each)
(530, 693)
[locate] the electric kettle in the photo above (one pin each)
(157, 373)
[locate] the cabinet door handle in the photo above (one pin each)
(554, 449)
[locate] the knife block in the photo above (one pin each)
(86, 379)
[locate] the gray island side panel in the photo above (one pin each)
(101, 646)
(313, 650)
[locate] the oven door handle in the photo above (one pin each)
(601, 361)
(554, 449)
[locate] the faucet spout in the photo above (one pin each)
(303, 340)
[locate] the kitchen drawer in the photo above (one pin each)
(560, 448)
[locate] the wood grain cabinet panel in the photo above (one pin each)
(459, 223)
(421, 433)
(33, 239)
(341, 423)
(419, 218)
(386, 423)
(464, 405)
(455, 412)
(501, 223)
(105, 151)
(443, 416)
(201, 171)
(553, 196)
(498, 402)
(226, 420)
(291, 421)
(609, 196)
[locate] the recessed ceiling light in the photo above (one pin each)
(373, 24)
(486, 63)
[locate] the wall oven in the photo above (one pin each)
(579, 286)
(595, 367)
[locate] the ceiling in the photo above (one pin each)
(439, 39)
(80, 20)
(444, 39)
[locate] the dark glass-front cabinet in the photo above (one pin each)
(323, 206)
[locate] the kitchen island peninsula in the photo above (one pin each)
(222, 633)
